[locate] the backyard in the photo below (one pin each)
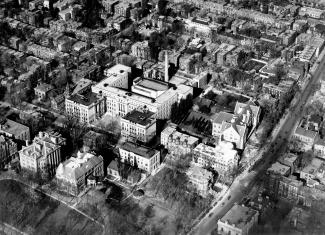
(35, 213)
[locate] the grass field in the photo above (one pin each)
(36, 213)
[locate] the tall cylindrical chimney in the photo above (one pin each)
(166, 66)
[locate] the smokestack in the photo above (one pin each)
(166, 66)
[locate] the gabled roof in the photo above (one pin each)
(306, 133)
(241, 108)
(223, 117)
(113, 165)
(238, 128)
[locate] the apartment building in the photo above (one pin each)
(43, 155)
(72, 174)
(143, 157)
(138, 125)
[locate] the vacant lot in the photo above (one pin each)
(36, 213)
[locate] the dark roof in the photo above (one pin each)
(142, 118)
(140, 150)
(85, 98)
(200, 21)
(316, 118)
(113, 165)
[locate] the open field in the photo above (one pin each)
(36, 213)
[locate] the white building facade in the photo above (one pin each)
(144, 158)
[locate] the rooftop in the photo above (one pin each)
(305, 133)
(316, 166)
(143, 118)
(74, 168)
(174, 134)
(153, 84)
(278, 168)
(11, 127)
(140, 150)
(44, 87)
(86, 98)
(239, 216)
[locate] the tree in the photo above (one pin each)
(306, 158)
(3, 91)
(74, 130)
(241, 59)
(162, 4)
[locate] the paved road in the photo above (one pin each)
(246, 181)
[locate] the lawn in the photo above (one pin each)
(36, 213)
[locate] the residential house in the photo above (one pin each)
(177, 143)
(280, 90)
(234, 128)
(238, 220)
(319, 148)
(199, 178)
(305, 136)
(73, 173)
(113, 170)
(291, 160)
(314, 172)
(224, 127)
(274, 173)
(58, 103)
(133, 175)
(42, 91)
(291, 189)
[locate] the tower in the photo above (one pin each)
(166, 66)
(67, 91)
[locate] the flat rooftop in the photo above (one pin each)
(153, 84)
(239, 216)
(11, 127)
(86, 98)
(279, 168)
(142, 118)
(138, 149)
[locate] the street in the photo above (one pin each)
(245, 182)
